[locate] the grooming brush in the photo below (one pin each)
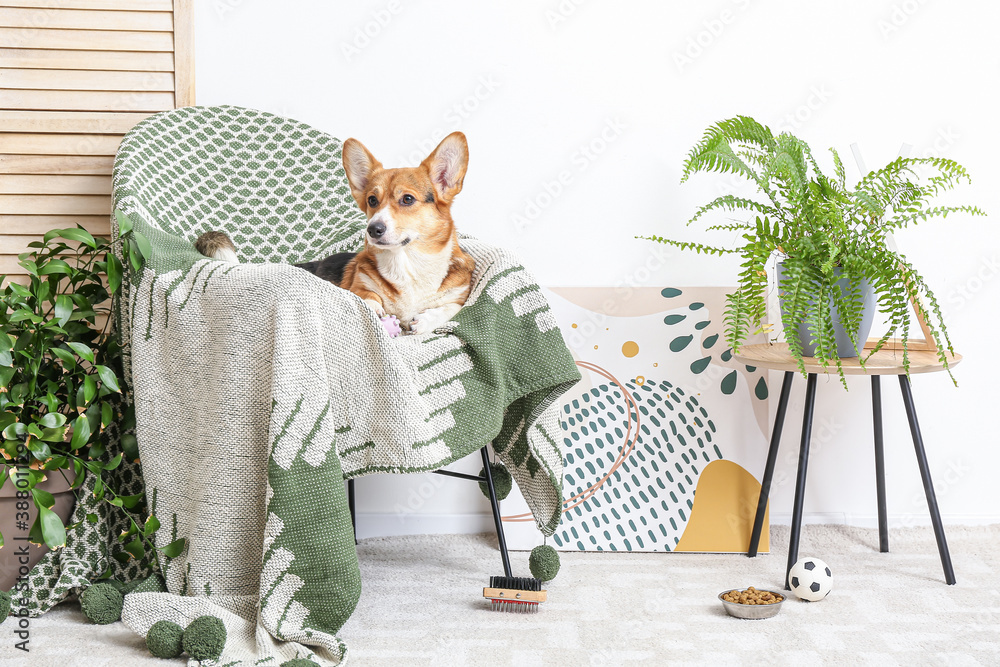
(508, 593)
(520, 595)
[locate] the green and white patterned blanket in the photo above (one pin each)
(259, 387)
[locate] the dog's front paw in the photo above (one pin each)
(376, 306)
(432, 319)
(422, 323)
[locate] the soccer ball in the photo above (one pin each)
(810, 579)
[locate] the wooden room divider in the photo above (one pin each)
(75, 75)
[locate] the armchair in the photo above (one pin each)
(259, 388)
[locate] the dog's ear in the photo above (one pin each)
(447, 165)
(359, 164)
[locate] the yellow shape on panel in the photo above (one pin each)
(630, 348)
(725, 502)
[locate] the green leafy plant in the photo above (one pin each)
(825, 231)
(61, 380)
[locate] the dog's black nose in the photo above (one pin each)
(376, 230)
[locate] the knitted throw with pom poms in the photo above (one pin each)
(259, 387)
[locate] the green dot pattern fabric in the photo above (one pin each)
(92, 549)
(276, 185)
(259, 388)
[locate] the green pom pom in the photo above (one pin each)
(4, 605)
(164, 639)
(102, 604)
(502, 481)
(205, 638)
(544, 562)
(299, 662)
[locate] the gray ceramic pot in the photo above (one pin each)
(844, 346)
(10, 561)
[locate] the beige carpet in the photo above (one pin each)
(421, 605)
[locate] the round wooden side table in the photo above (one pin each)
(883, 362)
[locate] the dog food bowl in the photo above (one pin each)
(753, 611)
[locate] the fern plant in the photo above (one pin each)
(826, 231)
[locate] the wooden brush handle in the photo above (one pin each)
(514, 595)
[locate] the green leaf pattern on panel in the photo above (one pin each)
(645, 504)
(678, 343)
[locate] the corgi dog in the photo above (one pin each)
(411, 266)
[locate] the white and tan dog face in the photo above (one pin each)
(412, 266)
(408, 206)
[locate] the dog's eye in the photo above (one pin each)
(407, 200)
(373, 201)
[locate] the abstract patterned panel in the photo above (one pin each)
(661, 435)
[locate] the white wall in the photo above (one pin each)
(608, 97)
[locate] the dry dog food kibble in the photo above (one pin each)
(752, 596)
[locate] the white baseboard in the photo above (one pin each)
(895, 520)
(388, 524)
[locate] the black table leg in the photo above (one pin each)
(925, 474)
(772, 455)
(883, 527)
(800, 481)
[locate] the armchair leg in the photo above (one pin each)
(495, 505)
(353, 508)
